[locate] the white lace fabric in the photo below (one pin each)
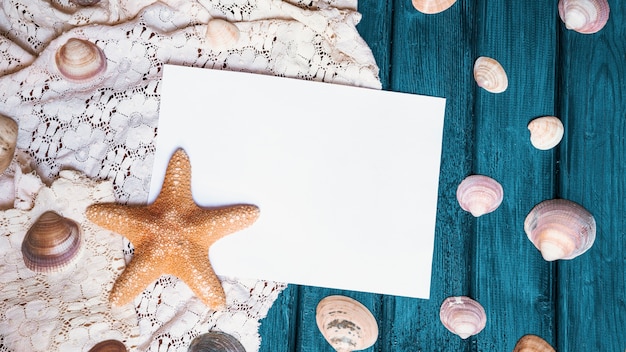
(104, 129)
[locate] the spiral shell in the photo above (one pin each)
(584, 16)
(560, 229)
(479, 194)
(463, 316)
(432, 6)
(215, 341)
(109, 346)
(490, 75)
(80, 60)
(546, 132)
(51, 243)
(8, 141)
(221, 34)
(346, 324)
(532, 343)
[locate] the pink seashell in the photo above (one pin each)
(80, 60)
(560, 229)
(8, 141)
(221, 34)
(584, 16)
(346, 324)
(479, 194)
(532, 343)
(432, 6)
(463, 316)
(546, 132)
(490, 75)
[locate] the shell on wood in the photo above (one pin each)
(215, 341)
(80, 60)
(545, 132)
(346, 324)
(109, 346)
(51, 243)
(560, 229)
(463, 316)
(8, 141)
(584, 16)
(432, 6)
(532, 343)
(85, 2)
(221, 34)
(479, 194)
(490, 75)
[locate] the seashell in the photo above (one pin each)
(545, 132)
(8, 141)
(432, 6)
(490, 75)
(85, 2)
(109, 346)
(80, 60)
(346, 324)
(463, 316)
(221, 34)
(584, 16)
(560, 229)
(215, 341)
(532, 343)
(51, 243)
(479, 194)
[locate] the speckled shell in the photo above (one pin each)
(463, 316)
(560, 229)
(51, 243)
(479, 194)
(80, 60)
(109, 346)
(432, 6)
(215, 341)
(8, 141)
(546, 132)
(532, 343)
(490, 75)
(584, 16)
(221, 34)
(346, 324)
(85, 2)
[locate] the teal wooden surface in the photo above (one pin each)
(576, 305)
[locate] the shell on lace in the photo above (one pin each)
(532, 343)
(215, 341)
(479, 194)
(221, 34)
(345, 323)
(8, 141)
(432, 6)
(584, 16)
(490, 75)
(85, 2)
(546, 132)
(560, 229)
(463, 316)
(80, 60)
(51, 243)
(109, 346)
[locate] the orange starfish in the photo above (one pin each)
(172, 236)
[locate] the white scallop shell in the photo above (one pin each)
(584, 16)
(221, 34)
(346, 324)
(479, 194)
(463, 316)
(490, 75)
(8, 141)
(532, 343)
(432, 6)
(80, 60)
(546, 132)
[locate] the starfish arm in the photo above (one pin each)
(176, 186)
(140, 272)
(214, 224)
(127, 221)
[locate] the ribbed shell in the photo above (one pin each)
(432, 6)
(463, 316)
(532, 343)
(346, 324)
(215, 341)
(8, 141)
(546, 132)
(479, 194)
(109, 346)
(584, 16)
(221, 34)
(490, 75)
(80, 60)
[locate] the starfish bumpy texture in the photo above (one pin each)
(172, 236)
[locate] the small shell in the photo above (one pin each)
(85, 2)
(479, 194)
(545, 132)
(80, 60)
(51, 243)
(8, 141)
(109, 346)
(215, 341)
(532, 343)
(221, 34)
(346, 324)
(432, 6)
(463, 316)
(490, 75)
(560, 229)
(584, 16)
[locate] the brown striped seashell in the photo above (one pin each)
(532, 343)
(346, 324)
(8, 141)
(463, 316)
(85, 2)
(584, 16)
(51, 243)
(80, 60)
(490, 75)
(432, 6)
(109, 346)
(215, 341)
(560, 229)
(479, 194)
(546, 132)
(221, 34)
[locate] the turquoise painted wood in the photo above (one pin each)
(576, 305)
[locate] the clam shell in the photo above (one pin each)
(51, 243)
(215, 341)
(346, 324)
(432, 6)
(463, 316)
(532, 343)
(109, 346)
(584, 16)
(560, 229)
(8, 141)
(490, 75)
(80, 60)
(221, 34)
(479, 194)
(545, 132)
